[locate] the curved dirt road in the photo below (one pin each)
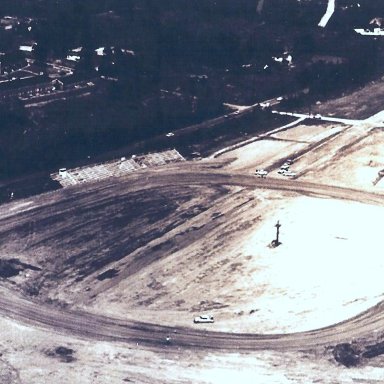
(88, 325)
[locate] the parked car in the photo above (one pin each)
(261, 172)
(170, 134)
(289, 174)
(203, 319)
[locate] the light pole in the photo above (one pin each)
(276, 242)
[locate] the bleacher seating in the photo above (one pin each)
(116, 168)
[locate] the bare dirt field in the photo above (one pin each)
(162, 247)
(29, 356)
(251, 287)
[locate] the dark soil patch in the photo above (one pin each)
(64, 351)
(206, 305)
(108, 274)
(373, 350)
(12, 267)
(235, 266)
(163, 246)
(8, 270)
(64, 354)
(346, 354)
(156, 285)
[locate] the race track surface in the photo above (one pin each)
(87, 325)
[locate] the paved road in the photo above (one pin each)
(328, 13)
(374, 121)
(87, 325)
(320, 117)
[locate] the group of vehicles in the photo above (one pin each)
(284, 170)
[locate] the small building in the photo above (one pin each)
(28, 47)
(74, 54)
(8, 22)
(100, 51)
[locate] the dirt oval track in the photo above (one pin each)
(87, 325)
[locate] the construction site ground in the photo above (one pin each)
(165, 254)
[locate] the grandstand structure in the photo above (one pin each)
(115, 168)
